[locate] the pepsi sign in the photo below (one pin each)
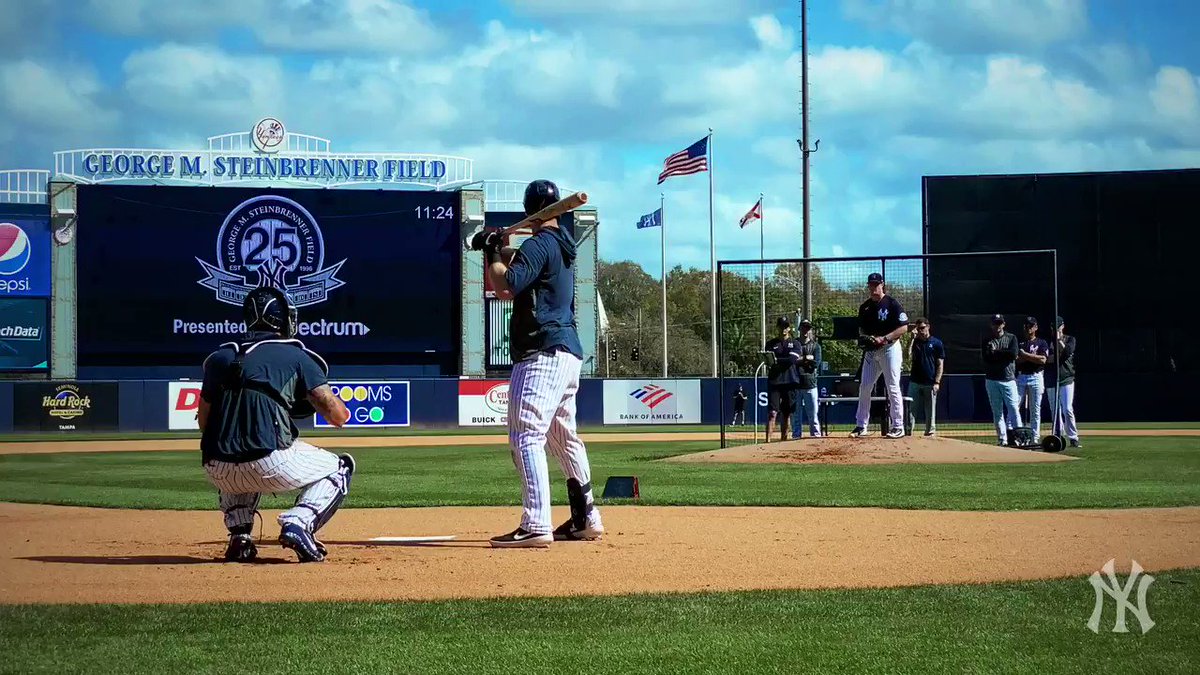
(24, 257)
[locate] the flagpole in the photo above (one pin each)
(712, 257)
(762, 272)
(662, 238)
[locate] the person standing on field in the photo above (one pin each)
(547, 361)
(1031, 385)
(1000, 351)
(739, 406)
(807, 393)
(1062, 355)
(881, 323)
(927, 355)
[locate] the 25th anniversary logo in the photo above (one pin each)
(271, 241)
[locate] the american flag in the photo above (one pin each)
(753, 213)
(692, 160)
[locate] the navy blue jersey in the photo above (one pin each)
(1036, 346)
(542, 280)
(925, 355)
(880, 317)
(787, 355)
(252, 407)
(999, 355)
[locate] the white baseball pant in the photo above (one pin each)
(1004, 400)
(1066, 410)
(1033, 386)
(541, 418)
(885, 361)
(316, 472)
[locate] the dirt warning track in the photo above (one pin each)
(57, 554)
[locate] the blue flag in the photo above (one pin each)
(650, 220)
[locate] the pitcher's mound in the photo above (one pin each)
(876, 450)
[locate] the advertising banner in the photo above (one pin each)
(374, 274)
(652, 401)
(25, 256)
(65, 406)
(372, 404)
(483, 403)
(24, 334)
(183, 402)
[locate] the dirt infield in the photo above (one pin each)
(331, 442)
(57, 554)
(334, 441)
(907, 450)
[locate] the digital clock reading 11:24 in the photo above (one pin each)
(435, 212)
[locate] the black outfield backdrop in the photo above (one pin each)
(1126, 244)
(163, 271)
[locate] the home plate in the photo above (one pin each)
(414, 540)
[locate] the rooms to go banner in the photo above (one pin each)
(483, 403)
(371, 404)
(652, 401)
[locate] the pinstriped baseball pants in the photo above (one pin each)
(541, 419)
(316, 472)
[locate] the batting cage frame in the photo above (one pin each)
(957, 294)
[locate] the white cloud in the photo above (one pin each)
(639, 12)
(51, 98)
(770, 32)
(1176, 98)
(348, 25)
(976, 26)
(202, 86)
(389, 26)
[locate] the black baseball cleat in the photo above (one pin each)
(568, 532)
(895, 433)
(521, 538)
(858, 432)
(301, 541)
(241, 549)
(1075, 443)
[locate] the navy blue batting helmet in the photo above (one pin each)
(271, 310)
(539, 194)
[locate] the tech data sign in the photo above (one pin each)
(652, 401)
(483, 403)
(371, 404)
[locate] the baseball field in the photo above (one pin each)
(848, 556)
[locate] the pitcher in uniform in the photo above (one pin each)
(1062, 355)
(881, 322)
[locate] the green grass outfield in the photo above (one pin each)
(1021, 627)
(1114, 473)
(1094, 428)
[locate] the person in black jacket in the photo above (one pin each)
(783, 378)
(1062, 353)
(1000, 351)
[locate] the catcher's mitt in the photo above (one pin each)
(866, 342)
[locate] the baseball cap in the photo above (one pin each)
(782, 322)
(998, 318)
(1058, 322)
(805, 322)
(875, 278)
(1031, 321)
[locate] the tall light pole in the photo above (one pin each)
(805, 151)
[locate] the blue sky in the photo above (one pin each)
(595, 94)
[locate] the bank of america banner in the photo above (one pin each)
(652, 401)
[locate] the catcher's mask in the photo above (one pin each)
(271, 310)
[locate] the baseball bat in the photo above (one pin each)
(555, 210)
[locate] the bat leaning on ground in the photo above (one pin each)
(558, 208)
